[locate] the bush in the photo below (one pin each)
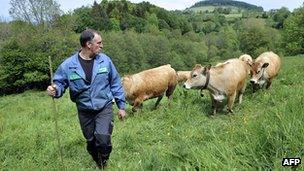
(254, 35)
(293, 33)
(24, 57)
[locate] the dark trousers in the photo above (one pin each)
(97, 127)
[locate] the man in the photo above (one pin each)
(93, 83)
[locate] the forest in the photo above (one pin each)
(137, 37)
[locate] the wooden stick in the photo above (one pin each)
(55, 112)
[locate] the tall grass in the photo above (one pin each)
(264, 129)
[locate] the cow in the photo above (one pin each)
(182, 76)
(225, 80)
(150, 84)
(264, 69)
(248, 60)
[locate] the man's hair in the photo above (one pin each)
(86, 36)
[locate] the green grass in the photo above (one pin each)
(203, 8)
(234, 14)
(212, 8)
(266, 127)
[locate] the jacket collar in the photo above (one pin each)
(76, 66)
(97, 62)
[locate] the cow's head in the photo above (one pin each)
(182, 76)
(198, 77)
(258, 72)
(247, 59)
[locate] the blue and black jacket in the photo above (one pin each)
(105, 85)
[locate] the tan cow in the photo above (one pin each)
(246, 58)
(182, 76)
(149, 84)
(264, 69)
(225, 80)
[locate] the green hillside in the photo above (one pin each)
(141, 35)
(225, 4)
(228, 8)
(264, 129)
(212, 8)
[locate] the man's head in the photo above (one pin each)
(91, 40)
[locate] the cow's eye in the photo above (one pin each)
(258, 72)
(194, 75)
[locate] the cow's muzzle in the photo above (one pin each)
(186, 86)
(253, 82)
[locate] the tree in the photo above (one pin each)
(114, 24)
(5, 32)
(279, 16)
(152, 19)
(255, 35)
(100, 18)
(34, 11)
(209, 27)
(293, 33)
(210, 40)
(227, 42)
(185, 26)
(162, 24)
(24, 56)
(83, 19)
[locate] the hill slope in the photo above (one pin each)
(266, 127)
(212, 4)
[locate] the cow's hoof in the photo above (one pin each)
(229, 111)
(211, 116)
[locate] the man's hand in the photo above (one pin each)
(121, 114)
(51, 90)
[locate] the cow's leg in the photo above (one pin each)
(137, 103)
(158, 100)
(268, 84)
(241, 93)
(214, 105)
(169, 94)
(201, 93)
(231, 99)
(240, 97)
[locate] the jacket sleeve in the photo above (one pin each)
(116, 87)
(61, 81)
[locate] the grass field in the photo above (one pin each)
(212, 8)
(264, 129)
(203, 8)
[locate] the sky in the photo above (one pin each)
(69, 5)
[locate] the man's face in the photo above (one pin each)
(95, 45)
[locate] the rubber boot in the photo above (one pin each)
(103, 155)
(91, 148)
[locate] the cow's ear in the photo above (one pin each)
(265, 65)
(208, 66)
